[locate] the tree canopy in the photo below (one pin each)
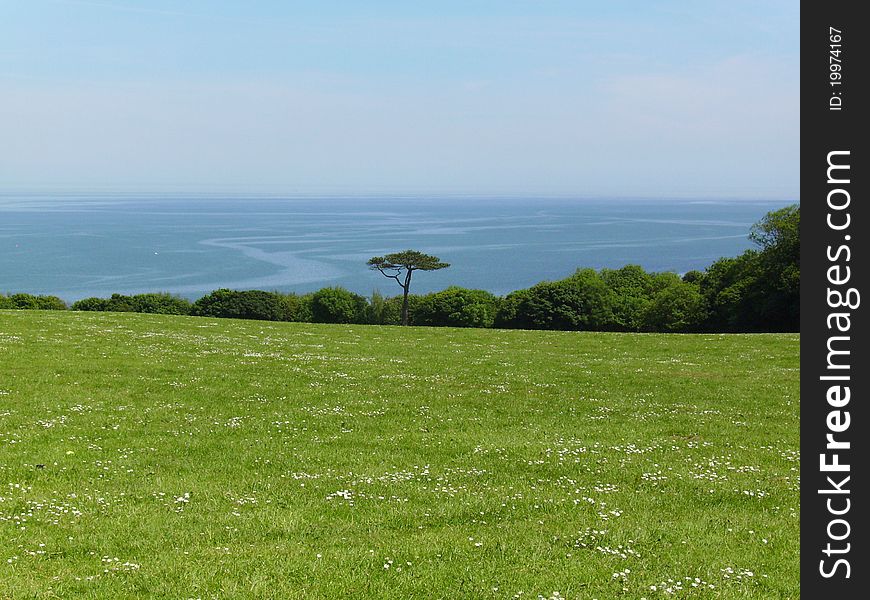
(407, 260)
(760, 289)
(400, 266)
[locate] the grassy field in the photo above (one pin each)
(178, 457)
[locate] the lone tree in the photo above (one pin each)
(400, 266)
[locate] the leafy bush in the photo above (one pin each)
(778, 291)
(580, 302)
(693, 276)
(726, 286)
(296, 307)
(456, 307)
(31, 302)
(338, 305)
(385, 311)
(5, 302)
(91, 304)
(511, 311)
(121, 303)
(760, 289)
(250, 304)
(50, 303)
(632, 289)
(679, 308)
(163, 303)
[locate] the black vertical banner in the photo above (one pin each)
(835, 369)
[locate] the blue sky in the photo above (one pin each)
(513, 97)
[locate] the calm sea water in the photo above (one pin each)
(79, 246)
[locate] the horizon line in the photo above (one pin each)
(242, 191)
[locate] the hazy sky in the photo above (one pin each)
(612, 98)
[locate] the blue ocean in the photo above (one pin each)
(76, 246)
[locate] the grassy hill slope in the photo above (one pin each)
(178, 457)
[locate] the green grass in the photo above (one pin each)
(176, 457)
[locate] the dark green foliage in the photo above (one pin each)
(511, 310)
(726, 287)
(50, 303)
(626, 299)
(5, 302)
(760, 289)
(297, 308)
(250, 304)
(478, 314)
(693, 276)
(661, 281)
(456, 307)
(632, 289)
(384, 311)
(396, 303)
(338, 305)
(91, 304)
(121, 303)
(407, 260)
(778, 232)
(580, 302)
(164, 304)
(32, 302)
(678, 308)
(778, 289)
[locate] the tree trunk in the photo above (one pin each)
(405, 289)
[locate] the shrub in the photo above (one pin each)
(580, 302)
(661, 281)
(760, 289)
(456, 307)
(511, 311)
(162, 303)
(50, 303)
(296, 307)
(98, 304)
(5, 302)
(679, 308)
(480, 314)
(693, 276)
(120, 303)
(726, 286)
(31, 302)
(338, 305)
(250, 304)
(385, 311)
(777, 291)
(632, 291)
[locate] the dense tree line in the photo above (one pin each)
(756, 291)
(31, 302)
